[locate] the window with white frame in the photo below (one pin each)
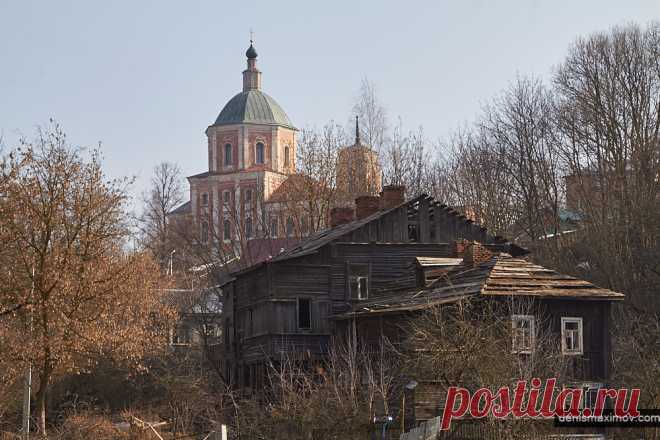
(180, 335)
(358, 281)
(571, 336)
(522, 333)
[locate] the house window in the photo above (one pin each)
(205, 199)
(226, 230)
(228, 158)
(180, 335)
(204, 232)
(273, 227)
(289, 227)
(358, 281)
(248, 227)
(226, 197)
(304, 313)
(522, 327)
(210, 330)
(571, 336)
(248, 195)
(259, 153)
(286, 156)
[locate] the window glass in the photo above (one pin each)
(522, 327)
(286, 156)
(248, 195)
(248, 227)
(273, 227)
(181, 335)
(226, 197)
(204, 232)
(259, 153)
(304, 313)
(358, 281)
(226, 230)
(571, 335)
(205, 199)
(228, 154)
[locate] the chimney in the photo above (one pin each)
(366, 205)
(392, 195)
(475, 253)
(340, 215)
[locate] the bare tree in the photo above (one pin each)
(372, 115)
(164, 195)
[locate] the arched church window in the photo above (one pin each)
(287, 162)
(226, 197)
(228, 158)
(260, 153)
(204, 232)
(289, 227)
(248, 227)
(226, 230)
(248, 195)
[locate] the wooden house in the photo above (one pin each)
(285, 306)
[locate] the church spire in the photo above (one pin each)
(357, 131)
(251, 75)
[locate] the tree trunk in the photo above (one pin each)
(40, 403)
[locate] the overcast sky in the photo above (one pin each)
(147, 77)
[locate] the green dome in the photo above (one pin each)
(253, 106)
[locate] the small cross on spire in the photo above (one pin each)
(251, 36)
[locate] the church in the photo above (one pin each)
(251, 202)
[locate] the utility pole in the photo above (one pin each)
(27, 391)
(26, 403)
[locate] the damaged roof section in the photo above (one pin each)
(446, 222)
(502, 275)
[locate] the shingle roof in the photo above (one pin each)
(503, 275)
(253, 106)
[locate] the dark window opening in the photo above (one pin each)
(248, 195)
(228, 154)
(412, 232)
(358, 281)
(304, 313)
(204, 232)
(226, 230)
(248, 227)
(286, 157)
(205, 199)
(273, 227)
(260, 153)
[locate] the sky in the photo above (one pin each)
(145, 78)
